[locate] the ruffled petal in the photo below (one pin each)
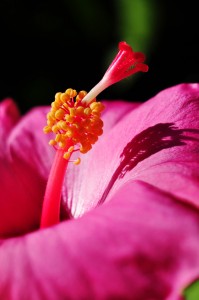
(27, 141)
(24, 170)
(143, 244)
(22, 191)
(157, 142)
(9, 116)
(115, 111)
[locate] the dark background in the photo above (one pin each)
(48, 46)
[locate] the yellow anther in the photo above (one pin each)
(87, 111)
(62, 144)
(50, 123)
(55, 128)
(72, 111)
(81, 95)
(47, 129)
(70, 149)
(55, 105)
(67, 155)
(97, 107)
(72, 93)
(64, 97)
(69, 118)
(59, 114)
(63, 125)
(77, 161)
(57, 95)
(59, 125)
(52, 143)
(65, 105)
(69, 133)
(50, 116)
(58, 137)
(93, 105)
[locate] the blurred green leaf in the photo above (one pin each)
(137, 24)
(192, 291)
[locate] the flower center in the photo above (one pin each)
(75, 119)
(72, 120)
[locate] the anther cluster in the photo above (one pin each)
(70, 119)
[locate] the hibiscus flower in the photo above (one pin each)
(130, 219)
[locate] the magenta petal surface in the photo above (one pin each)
(23, 169)
(9, 116)
(143, 244)
(157, 142)
(115, 111)
(27, 141)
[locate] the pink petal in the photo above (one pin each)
(9, 116)
(143, 244)
(27, 141)
(23, 169)
(115, 111)
(157, 142)
(21, 198)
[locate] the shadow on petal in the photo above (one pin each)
(146, 143)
